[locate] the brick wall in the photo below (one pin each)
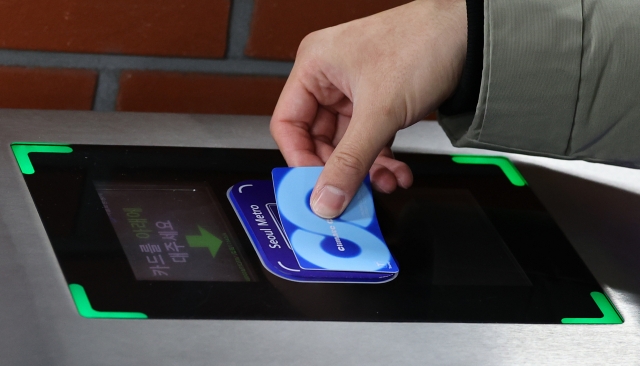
(192, 56)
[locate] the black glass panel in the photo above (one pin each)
(471, 246)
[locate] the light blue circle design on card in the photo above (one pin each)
(292, 190)
(318, 240)
(313, 253)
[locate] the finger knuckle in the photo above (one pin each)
(309, 43)
(349, 162)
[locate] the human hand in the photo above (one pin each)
(353, 86)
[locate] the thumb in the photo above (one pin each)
(367, 134)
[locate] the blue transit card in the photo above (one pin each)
(254, 203)
(351, 242)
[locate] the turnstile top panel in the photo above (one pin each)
(41, 326)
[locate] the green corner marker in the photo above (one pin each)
(22, 150)
(85, 309)
(505, 164)
(205, 240)
(609, 313)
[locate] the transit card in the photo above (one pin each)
(351, 242)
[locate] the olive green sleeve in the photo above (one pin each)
(561, 78)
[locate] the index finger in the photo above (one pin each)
(291, 123)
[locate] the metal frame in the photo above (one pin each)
(597, 206)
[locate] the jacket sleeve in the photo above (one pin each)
(560, 78)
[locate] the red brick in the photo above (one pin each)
(278, 26)
(35, 88)
(193, 28)
(155, 91)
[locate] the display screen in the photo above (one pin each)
(173, 232)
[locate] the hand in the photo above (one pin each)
(353, 86)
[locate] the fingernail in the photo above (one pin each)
(329, 202)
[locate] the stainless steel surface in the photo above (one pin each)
(597, 206)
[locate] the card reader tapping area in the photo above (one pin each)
(255, 204)
(148, 232)
(350, 242)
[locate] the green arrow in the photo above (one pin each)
(205, 240)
